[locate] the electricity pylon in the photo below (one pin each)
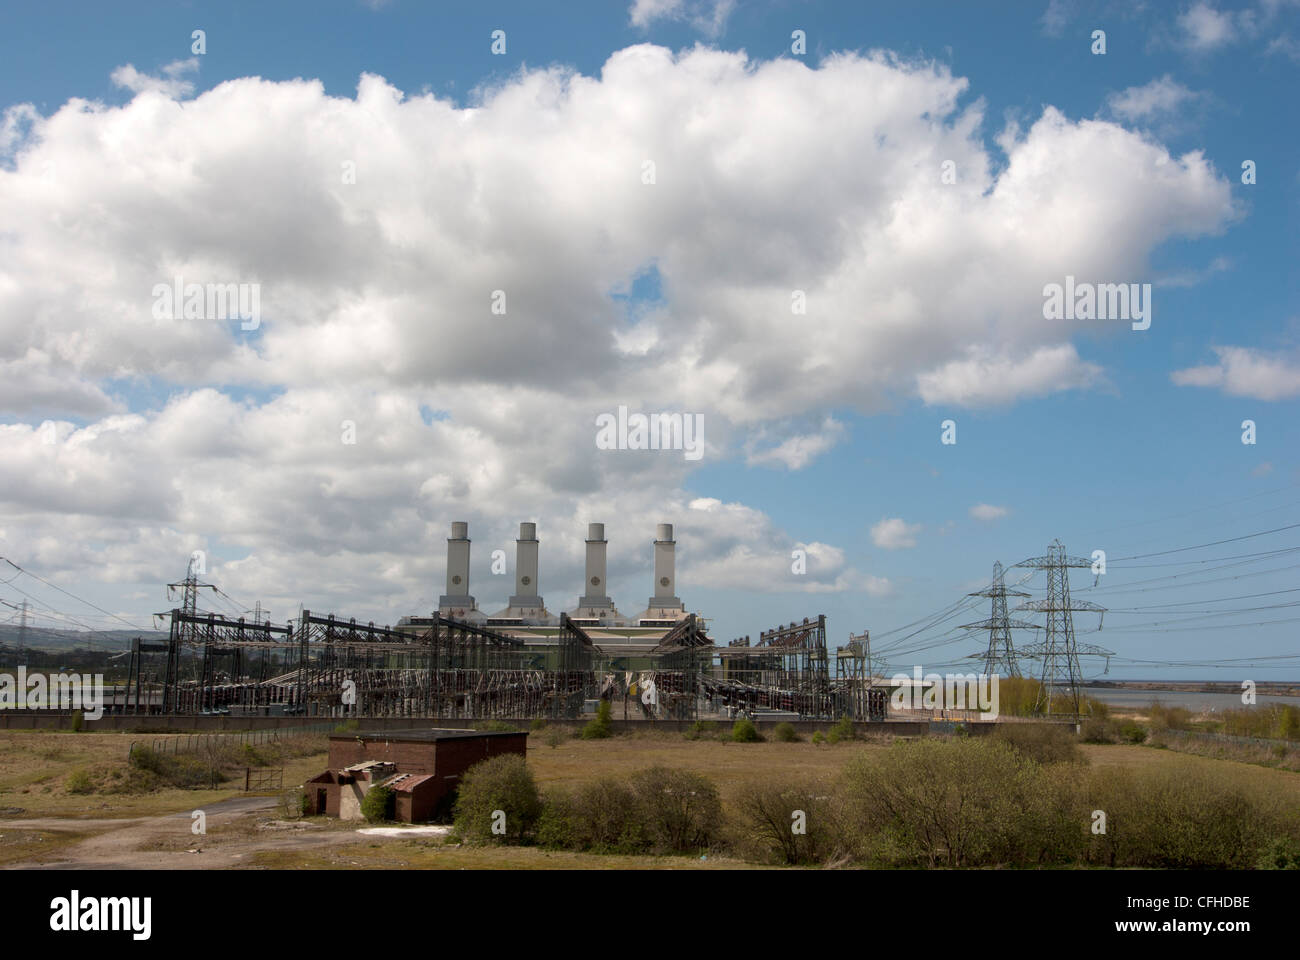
(1001, 655)
(1059, 651)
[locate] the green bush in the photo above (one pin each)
(1041, 742)
(785, 733)
(842, 729)
(1095, 730)
(1187, 818)
(78, 721)
(744, 731)
(495, 726)
(1169, 718)
(348, 726)
(599, 727)
(657, 810)
(771, 813)
(79, 781)
(378, 804)
(1131, 731)
(554, 736)
(931, 802)
(680, 809)
(818, 737)
(537, 724)
(502, 783)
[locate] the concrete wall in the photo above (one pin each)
(62, 720)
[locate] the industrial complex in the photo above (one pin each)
(520, 662)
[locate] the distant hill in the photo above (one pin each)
(43, 638)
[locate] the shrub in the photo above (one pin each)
(1188, 818)
(537, 724)
(79, 781)
(769, 814)
(680, 808)
(78, 721)
(842, 729)
(1018, 696)
(951, 802)
(1095, 730)
(554, 737)
(601, 816)
(599, 726)
(502, 783)
(818, 737)
(348, 726)
(557, 825)
(495, 726)
(1041, 742)
(1131, 731)
(1169, 718)
(785, 733)
(744, 731)
(657, 810)
(378, 803)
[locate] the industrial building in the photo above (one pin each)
(422, 768)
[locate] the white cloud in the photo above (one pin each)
(170, 85)
(798, 451)
(892, 533)
(987, 379)
(1055, 17)
(1245, 372)
(1202, 27)
(707, 16)
(1161, 97)
(986, 511)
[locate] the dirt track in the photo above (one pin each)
(235, 833)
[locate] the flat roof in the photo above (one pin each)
(426, 734)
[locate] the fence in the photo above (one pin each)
(203, 742)
(263, 779)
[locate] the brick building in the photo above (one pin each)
(422, 767)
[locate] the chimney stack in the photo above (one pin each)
(457, 599)
(665, 570)
(526, 596)
(596, 592)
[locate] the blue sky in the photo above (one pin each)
(1132, 461)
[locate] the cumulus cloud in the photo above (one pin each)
(376, 297)
(1159, 98)
(893, 533)
(171, 84)
(983, 378)
(798, 451)
(707, 16)
(1246, 372)
(1202, 27)
(987, 511)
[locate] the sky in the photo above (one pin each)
(826, 231)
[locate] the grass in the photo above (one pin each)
(38, 767)
(406, 854)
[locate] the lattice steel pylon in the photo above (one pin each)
(1001, 655)
(1060, 651)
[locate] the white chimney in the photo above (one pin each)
(665, 570)
(526, 595)
(595, 590)
(457, 597)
